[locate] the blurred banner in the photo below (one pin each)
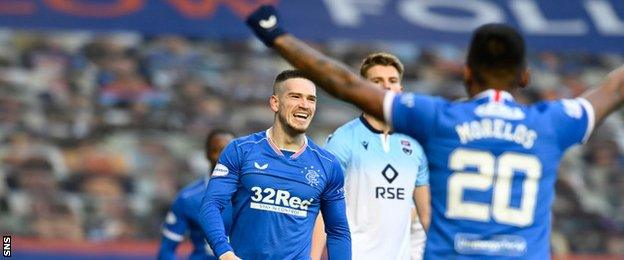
(591, 25)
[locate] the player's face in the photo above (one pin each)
(217, 144)
(386, 77)
(296, 104)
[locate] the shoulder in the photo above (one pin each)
(192, 189)
(410, 99)
(346, 131)
(325, 156)
(349, 127)
(563, 108)
(249, 140)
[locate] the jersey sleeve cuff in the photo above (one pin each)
(387, 107)
(172, 235)
(589, 109)
(222, 248)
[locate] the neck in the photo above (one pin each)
(284, 139)
(476, 89)
(377, 124)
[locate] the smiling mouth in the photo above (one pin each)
(302, 116)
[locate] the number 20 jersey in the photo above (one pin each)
(493, 165)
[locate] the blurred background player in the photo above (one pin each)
(183, 216)
(278, 180)
(382, 169)
(491, 158)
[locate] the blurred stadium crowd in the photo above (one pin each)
(99, 131)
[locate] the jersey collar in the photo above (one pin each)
(495, 95)
(370, 127)
(277, 150)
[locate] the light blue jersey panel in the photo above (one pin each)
(493, 165)
(381, 172)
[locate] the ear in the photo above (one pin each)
(525, 77)
(467, 76)
(274, 103)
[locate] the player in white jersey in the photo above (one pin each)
(381, 170)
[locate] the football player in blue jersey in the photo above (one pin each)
(493, 161)
(182, 217)
(382, 169)
(278, 180)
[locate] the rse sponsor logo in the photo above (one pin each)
(389, 193)
(220, 170)
(6, 246)
(280, 201)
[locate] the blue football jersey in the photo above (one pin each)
(183, 219)
(276, 199)
(493, 165)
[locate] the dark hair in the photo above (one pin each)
(381, 58)
(496, 53)
(286, 75)
(215, 132)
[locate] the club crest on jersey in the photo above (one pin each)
(312, 176)
(406, 147)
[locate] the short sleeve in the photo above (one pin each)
(338, 145)
(573, 121)
(334, 188)
(422, 177)
(411, 114)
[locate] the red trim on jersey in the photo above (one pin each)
(272, 144)
(301, 149)
(279, 151)
(497, 95)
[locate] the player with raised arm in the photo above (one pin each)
(278, 180)
(382, 169)
(183, 216)
(493, 162)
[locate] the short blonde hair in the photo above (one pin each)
(381, 58)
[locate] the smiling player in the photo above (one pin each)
(278, 180)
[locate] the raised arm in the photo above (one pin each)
(329, 74)
(607, 97)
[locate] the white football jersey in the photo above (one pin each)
(381, 172)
